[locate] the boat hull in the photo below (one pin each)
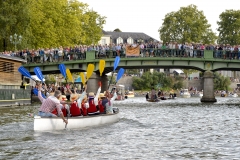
(154, 100)
(46, 124)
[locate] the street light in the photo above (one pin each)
(15, 39)
(140, 41)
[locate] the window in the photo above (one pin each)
(103, 42)
(119, 40)
(130, 40)
(6, 67)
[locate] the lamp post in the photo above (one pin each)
(15, 39)
(140, 41)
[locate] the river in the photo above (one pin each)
(170, 129)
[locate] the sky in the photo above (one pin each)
(147, 16)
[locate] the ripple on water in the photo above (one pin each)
(171, 129)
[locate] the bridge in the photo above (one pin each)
(208, 64)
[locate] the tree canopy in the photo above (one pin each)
(221, 82)
(117, 30)
(157, 80)
(229, 27)
(46, 23)
(186, 25)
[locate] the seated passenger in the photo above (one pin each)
(102, 103)
(93, 102)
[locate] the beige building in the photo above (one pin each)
(124, 37)
(10, 77)
(10, 82)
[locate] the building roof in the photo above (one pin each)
(12, 58)
(126, 35)
(179, 71)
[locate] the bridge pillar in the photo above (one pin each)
(208, 88)
(92, 84)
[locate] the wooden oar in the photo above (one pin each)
(69, 75)
(90, 70)
(35, 91)
(25, 73)
(116, 62)
(101, 66)
(82, 78)
(120, 74)
(39, 74)
(62, 69)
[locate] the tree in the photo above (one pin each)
(13, 19)
(186, 25)
(117, 30)
(155, 79)
(45, 23)
(189, 71)
(221, 82)
(92, 28)
(132, 71)
(229, 27)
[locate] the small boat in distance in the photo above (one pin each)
(130, 94)
(56, 123)
(233, 95)
(185, 94)
(153, 100)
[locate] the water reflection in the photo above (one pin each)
(171, 129)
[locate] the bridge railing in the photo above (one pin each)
(146, 52)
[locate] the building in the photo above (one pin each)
(124, 37)
(11, 92)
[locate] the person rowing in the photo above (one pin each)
(50, 104)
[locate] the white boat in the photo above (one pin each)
(233, 95)
(185, 94)
(130, 94)
(199, 94)
(47, 124)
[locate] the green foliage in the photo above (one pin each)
(157, 80)
(14, 18)
(221, 82)
(186, 25)
(229, 27)
(117, 30)
(189, 71)
(112, 79)
(132, 71)
(177, 82)
(46, 23)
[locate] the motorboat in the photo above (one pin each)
(233, 95)
(153, 100)
(130, 94)
(56, 123)
(185, 93)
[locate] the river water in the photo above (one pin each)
(170, 129)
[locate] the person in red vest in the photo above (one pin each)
(76, 106)
(84, 106)
(102, 103)
(93, 102)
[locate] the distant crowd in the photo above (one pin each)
(151, 49)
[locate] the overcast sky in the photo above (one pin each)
(147, 15)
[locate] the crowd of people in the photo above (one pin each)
(62, 101)
(148, 49)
